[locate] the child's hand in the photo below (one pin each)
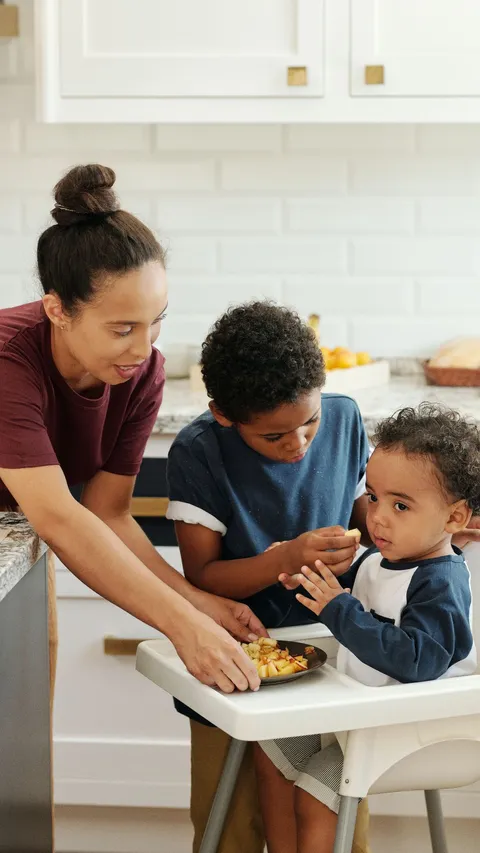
(323, 587)
(330, 545)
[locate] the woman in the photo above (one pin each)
(80, 389)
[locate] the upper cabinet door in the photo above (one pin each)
(191, 48)
(419, 48)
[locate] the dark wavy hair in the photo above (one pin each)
(259, 356)
(450, 441)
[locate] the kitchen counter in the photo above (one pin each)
(181, 405)
(20, 548)
(25, 759)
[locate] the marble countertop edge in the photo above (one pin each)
(20, 548)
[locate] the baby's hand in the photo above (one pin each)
(290, 581)
(323, 587)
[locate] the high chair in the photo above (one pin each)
(407, 737)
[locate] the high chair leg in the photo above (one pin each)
(224, 793)
(435, 822)
(347, 817)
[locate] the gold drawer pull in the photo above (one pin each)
(297, 75)
(153, 507)
(8, 21)
(118, 647)
(374, 75)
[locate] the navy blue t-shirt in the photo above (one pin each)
(218, 481)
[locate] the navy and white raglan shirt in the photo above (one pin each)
(404, 622)
(217, 481)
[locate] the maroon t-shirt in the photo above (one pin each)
(45, 422)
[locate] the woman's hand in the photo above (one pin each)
(235, 617)
(212, 655)
(323, 587)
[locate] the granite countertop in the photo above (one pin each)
(20, 548)
(181, 405)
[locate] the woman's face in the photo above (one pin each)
(109, 338)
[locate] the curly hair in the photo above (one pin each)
(258, 356)
(452, 443)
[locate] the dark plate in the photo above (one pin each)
(315, 659)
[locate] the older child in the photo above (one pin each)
(273, 459)
(407, 617)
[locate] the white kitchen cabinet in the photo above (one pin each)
(425, 48)
(266, 61)
(155, 53)
(117, 738)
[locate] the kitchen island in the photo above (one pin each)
(25, 754)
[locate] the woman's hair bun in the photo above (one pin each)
(84, 194)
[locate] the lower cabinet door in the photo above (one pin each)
(117, 739)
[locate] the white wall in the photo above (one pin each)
(374, 227)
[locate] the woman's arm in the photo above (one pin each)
(92, 551)
(109, 497)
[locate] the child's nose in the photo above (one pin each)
(297, 442)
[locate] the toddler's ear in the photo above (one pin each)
(460, 515)
(221, 419)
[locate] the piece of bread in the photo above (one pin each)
(462, 352)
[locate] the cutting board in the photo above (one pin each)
(338, 381)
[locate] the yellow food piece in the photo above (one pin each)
(344, 359)
(271, 661)
(363, 358)
(355, 532)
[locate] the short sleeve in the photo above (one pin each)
(126, 457)
(24, 440)
(364, 453)
(193, 490)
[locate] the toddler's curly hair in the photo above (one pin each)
(450, 441)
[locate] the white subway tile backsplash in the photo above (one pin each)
(449, 296)
(350, 215)
(410, 256)
(350, 139)
(213, 294)
(285, 174)
(218, 137)
(10, 215)
(219, 214)
(189, 254)
(17, 254)
(449, 216)
(97, 139)
(367, 296)
(412, 176)
(284, 254)
(12, 291)
(448, 139)
(375, 227)
(416, 337)
(9, 137)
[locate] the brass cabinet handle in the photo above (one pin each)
(374, 75)
(118, 647)
(149, 507)
(297, 75)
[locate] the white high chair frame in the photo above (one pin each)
(405, 737)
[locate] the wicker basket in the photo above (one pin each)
(453, 377)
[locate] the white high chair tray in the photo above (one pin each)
(326, 701)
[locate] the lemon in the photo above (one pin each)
(363, 358)
(344, 359)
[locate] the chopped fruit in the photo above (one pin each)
(363, 358)
(271, 661)
(355, 533)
